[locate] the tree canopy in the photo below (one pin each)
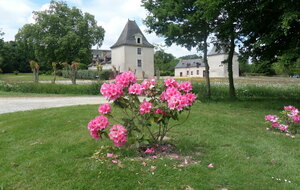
(180, 22)
(60, 34)
(165, 62)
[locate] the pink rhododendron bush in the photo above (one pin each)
(146, 110)
(289, 120)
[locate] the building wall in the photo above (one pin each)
(118, 58)
(218, 69)
(189, 72)
(146, 57)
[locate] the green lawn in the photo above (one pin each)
(27, 77)
(51, 149)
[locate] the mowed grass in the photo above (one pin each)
(51, 149)
(27, 77)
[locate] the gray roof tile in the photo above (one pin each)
(127, 36)
(185, 63)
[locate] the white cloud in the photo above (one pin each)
(111, 15)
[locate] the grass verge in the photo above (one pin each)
(51, 149)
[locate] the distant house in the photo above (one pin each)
(217, 61)
(103, 57)
(133, 52)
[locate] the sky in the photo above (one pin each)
(112, 15)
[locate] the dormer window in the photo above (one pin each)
(138, 38)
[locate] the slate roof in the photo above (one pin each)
(127, 36)
(184, 63)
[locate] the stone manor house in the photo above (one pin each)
(133, 52)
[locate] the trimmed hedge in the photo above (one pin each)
(89, 74)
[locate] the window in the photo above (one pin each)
(187, 72)
(191, 72)
(139, 63)
(138, 40)
(139, 51)
(197, 72)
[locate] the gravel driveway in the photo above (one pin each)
(13, 104)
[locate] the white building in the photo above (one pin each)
(217, 65)
(133, 52)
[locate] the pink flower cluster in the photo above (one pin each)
(104, 109)
(290, 117)
(125, 79)
(96, 125)
(272, 118)
(135, 89)
(145, 107)
(171, 83)
(292, 113)
(111, 91)
(118, 135)
(185, 86)
(148, 84)
(173, 96)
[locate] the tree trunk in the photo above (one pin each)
(229, 62)
(157, 73)
(54, 78)
(207, 79)
(73, 75)
(36, 75)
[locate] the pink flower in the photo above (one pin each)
(296, 118)
(177, 156)
(186, 161)
(292, 111)
(96, 125)
(163, 148)
(145, 107)
(158, 110)
(175, 103)
(118, 135)
(190, 98)
(135, 89)
(104, 109)
(272, 118)
(149, 150)
(144, 164)
(185, 86)
(111, 91)
(125, 79)
(275, 124)
(170, 92)
(211, 165)
(109, 155)
(153, 167)
(283, 127)
(148, 84)
(154, 156)
(171, 83)
(114, 161)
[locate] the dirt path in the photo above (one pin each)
(13, 104)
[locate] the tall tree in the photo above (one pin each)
(271, 31)
(61, 34)
(180, 22)
(165, 62)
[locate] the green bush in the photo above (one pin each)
(166, 73)
(89, 74)
(88, 89)
(59, 73)
(16, 72)
(105, 74)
